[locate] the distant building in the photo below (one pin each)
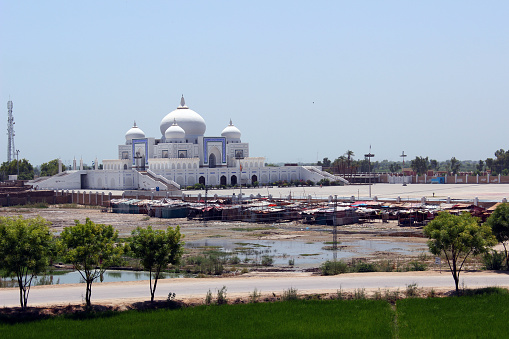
(182, 156)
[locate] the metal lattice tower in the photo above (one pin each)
(11, 150)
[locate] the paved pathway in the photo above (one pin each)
(277, 283)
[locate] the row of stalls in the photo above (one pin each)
(274, 211)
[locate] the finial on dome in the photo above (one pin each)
(231, 124)
(175, 122)
(182, 101)
(135, 124)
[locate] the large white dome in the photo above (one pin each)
(134, 133)
(192, 123)
(231, 132)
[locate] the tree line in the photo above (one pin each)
(27, 171)
(27, 248)
(420, 165)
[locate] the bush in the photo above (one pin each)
(267, 260)
(255, 296)
(411, 290)
(290, 294)
(333, 267)
(416, 266)
(221, 296)
(493, 260)
(364, 267)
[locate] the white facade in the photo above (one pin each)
(182, 156)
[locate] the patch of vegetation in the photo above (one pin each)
(33, 205)
(308, 254)
(295, 319)
(250, 229)
(482, 315)
(494, 260)
(290, 294)
(416, 266)
(333, 267)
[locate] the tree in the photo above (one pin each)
(480, 166)
(499, 224)
(489, 163)
(434, 165)
(457, 237)
(156, 249)
(394, 167)
(420, 165)
(25, 248)
(91, 248)
(49, 168)
(326, 162)
(455, 165)
(26, 170)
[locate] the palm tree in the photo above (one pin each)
(349, 154)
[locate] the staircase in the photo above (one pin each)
(169, 184)
(326, 175)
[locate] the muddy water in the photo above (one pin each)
(307, 254)
(75, 278)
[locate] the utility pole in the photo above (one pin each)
(369, 156)
(335, 229)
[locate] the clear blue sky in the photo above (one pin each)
(302, 80)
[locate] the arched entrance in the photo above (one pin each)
(223, 180)
(233, 180)
(254, 178)
(202, 180)
(212, 160)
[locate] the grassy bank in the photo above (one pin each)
(465, 317)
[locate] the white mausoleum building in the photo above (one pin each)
(182, 156)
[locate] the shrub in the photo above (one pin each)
(364, 267)
(416, 266)
(333, 267)
(291, 262)
(411, 290)
(359, 293)
(221, 296)
(493, 260)
(267, 260)
(208, 298)
(290, 294)
(255, 296)
(235, 260)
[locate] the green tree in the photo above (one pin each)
(457, 237)
(25, 249)
(489, 163)
(434, 165)
(455, 165)
(420, 165)
(49, 168)
(156, 249)
(499, 224)
(394, 167)
(26, 170)
(91, 248)
(480, 166)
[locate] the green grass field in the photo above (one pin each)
(483, 316)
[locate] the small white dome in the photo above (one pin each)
(175, 132)
(134, 133)
(231, 132)
(190, 121)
